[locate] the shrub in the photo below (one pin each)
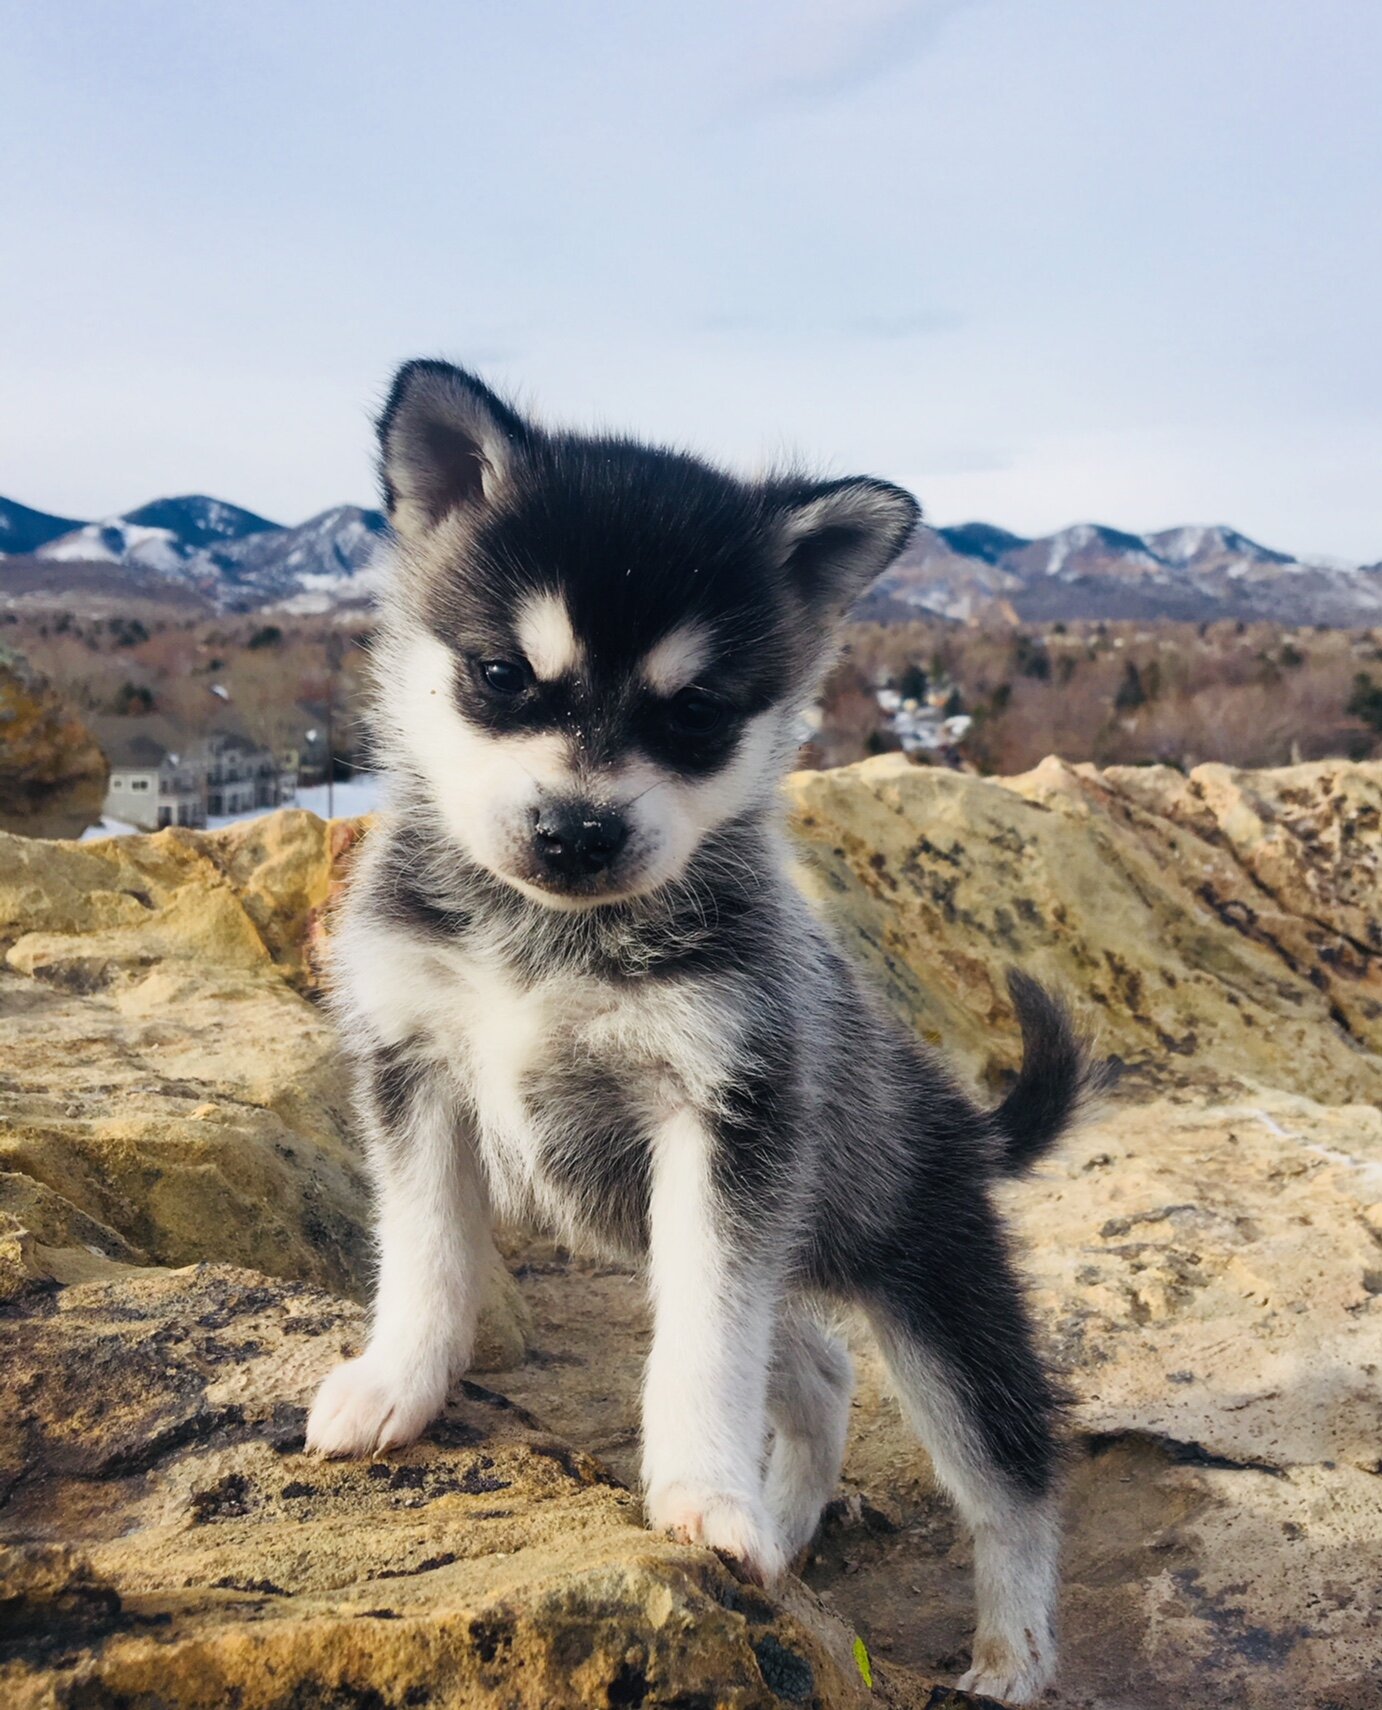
(1366, 701)
(134, 698)
(1031, 658)
(1131, 693)
(912, 684)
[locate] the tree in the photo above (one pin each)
(1131, 693)
(1366, 701)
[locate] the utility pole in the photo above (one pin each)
(334, 652)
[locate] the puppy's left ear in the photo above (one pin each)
(836, 536)
(446, 444)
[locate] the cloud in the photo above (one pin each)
(867, 50)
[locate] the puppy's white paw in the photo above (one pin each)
(1001, 1672)
(736, 1525)
(364, 1409)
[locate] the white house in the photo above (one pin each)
(160, 777)
(151, 784)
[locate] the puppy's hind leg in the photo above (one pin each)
(809, 1392)
(955, 1334)
(435, 1254)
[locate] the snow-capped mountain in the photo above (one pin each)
(194, 545)
(24, 530)
(217, 555)
(1090, 571)
(329, 560)
(169, 536)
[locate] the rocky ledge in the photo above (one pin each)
(182, 1254)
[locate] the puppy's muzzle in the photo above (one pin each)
(576, 840)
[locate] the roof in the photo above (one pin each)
(145, 740)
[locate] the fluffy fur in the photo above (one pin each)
(580, 992)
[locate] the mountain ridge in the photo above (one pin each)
(1090, 571)
(199, 547)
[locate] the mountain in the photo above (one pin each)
(198, 548)
(327, 561)
(201, 551)
(24, 530)
(169, 536)
(1091, 571)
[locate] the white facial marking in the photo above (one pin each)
(486, 786)
(490, 787)
(547, 638)
(671, 815)
(677, 659)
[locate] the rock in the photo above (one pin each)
(1207, 1279)
(164, 1084)
(1215, 928)
(168, 1095)
(180, 1550)
(1206, 1262)
(52, 773)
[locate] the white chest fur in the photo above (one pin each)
(667, 1045)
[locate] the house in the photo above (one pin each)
(152, 783)
(160, 776)
(242, 777)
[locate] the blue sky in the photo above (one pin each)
(1041, 260)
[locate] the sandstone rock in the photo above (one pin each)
(1206, 1260)
(179, 1549)
(167, 1095)
(161, 1077)
(1208, 1280)
(1202, 950)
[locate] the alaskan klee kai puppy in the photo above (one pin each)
(580, 991)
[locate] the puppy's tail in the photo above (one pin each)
(1056, 1077)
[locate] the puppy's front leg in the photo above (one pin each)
(435, 1251)
(704, 1401)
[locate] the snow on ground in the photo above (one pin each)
(108, 828)
(350, 796)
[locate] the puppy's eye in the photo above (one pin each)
(504, 677)
(694, 712)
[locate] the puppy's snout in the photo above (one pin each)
(573, 840)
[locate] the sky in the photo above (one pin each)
(1042, 261)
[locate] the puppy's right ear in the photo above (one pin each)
(446, 443)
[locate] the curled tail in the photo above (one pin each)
(1055, 1077)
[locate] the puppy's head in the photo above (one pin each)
(595, 651)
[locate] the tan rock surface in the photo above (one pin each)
(172, 1546)
(1206, 1258)
(166, 1095)
(1215, 928)
(160, 1076)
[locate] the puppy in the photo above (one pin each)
(580, 992)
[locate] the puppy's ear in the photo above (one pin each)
(446, 443)
(836, 536)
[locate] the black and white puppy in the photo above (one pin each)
(581, 992)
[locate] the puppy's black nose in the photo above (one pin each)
(574, 840)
